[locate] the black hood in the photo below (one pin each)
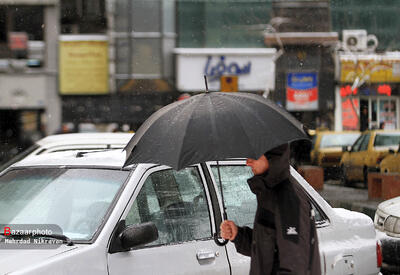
(279, 168)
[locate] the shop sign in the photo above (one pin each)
(221, 68)
(375, 69)
(349, 115)
(226, 69)
(83, 64)
(302, 91)
(18, 41)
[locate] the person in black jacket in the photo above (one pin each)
(283, 239)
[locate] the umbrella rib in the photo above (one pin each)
(241, 126)
(147, 124)
(187, 123)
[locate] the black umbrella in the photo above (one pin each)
(212, 126)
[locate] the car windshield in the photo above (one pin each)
(76, 200)
(387, 139)
(338, 140)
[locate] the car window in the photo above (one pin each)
(338, 140)
(240, 202)
(320, 217)
(357, 144)
(387, 140)
(75, 199)
(365, 142)
(176, 202)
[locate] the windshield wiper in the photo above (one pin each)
(54, 236)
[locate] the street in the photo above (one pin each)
(351, 198)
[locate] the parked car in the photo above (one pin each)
(391, 163)
(150, 219)
(327, 149)
(73, 142)
(387, 224)
(366, 154)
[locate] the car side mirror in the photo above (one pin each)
(136, 235)
(127, 237)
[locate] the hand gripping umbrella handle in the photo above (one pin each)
(218, 242)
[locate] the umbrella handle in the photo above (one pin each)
(218, 242)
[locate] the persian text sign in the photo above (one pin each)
(83, 65)
(302, 92)
(253, 68)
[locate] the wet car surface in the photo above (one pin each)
(184, 206)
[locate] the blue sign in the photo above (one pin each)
(302, 81)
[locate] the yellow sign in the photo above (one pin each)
(229, 83)
(370, 70)
(83, 67)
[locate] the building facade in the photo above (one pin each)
(368, 92)
(29, 103)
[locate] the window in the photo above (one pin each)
(320, 217)
(364, 143)
(240, 202)
(357, 144)
(338, 140)
(23, 21)
(176, 202)
(77, 200)
(387, 140)
(145, 35)
(388, 114)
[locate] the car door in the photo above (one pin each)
(348, 164)
(359, 157)
(241, 205)
(179, 204)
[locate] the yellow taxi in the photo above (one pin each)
(327, 149)
(391, 163)
(366, 154)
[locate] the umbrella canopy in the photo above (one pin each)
(212, 126)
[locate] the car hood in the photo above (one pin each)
(12, 260)
(391, 207)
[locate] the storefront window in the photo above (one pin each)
(387, 114)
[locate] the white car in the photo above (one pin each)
(150, 219)
(387, 224)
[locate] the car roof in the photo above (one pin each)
(104, 158)
(84, 138)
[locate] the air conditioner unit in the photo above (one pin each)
(355, 40)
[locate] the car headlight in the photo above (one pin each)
(392, 224)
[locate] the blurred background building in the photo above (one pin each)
(102, 65)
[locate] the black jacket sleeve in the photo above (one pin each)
(243, 240)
